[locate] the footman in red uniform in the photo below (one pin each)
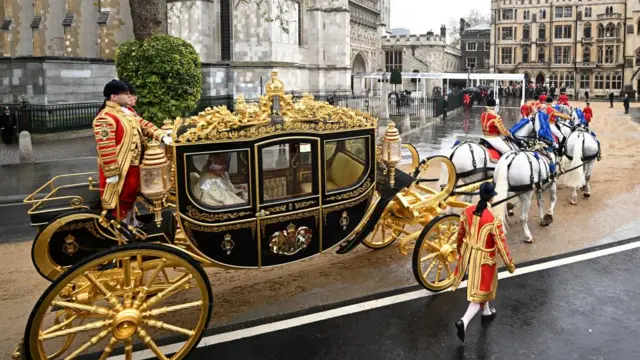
(480, 239)
(119, 136)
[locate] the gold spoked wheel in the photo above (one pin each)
(122, 299)
(385, 233)
(435, 253)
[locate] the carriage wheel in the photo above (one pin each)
(123, 298)
(435, 253)
(388, 231)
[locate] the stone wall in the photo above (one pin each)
(198, 23)
(53, 81)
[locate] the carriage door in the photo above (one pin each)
(288, 199)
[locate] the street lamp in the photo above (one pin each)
(391, 151)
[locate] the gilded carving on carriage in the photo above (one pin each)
(88, 225)
(346, 205)
(344, 220)
(70, 245)
(290, 241)
(193, 213)
(353, 193)
(304, 204)
(228, 244)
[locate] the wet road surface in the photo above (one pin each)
(569, 308)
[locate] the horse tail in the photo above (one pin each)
(501, 179)
(575, 177)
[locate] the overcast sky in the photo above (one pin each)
(420, 16)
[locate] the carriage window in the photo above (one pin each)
(346, 163)
(219, 179)
(287, 170)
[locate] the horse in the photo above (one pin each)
(581, 148)
(522, 172)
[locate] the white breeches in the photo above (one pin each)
(498, 143)
(555, 131)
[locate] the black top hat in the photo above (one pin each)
(114, 87)
(487, 191)
(550, 99)
(132, 89)
(491, 102)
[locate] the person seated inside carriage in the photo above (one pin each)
(494, 130)
(215, 187)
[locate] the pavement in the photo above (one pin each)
(565, 307)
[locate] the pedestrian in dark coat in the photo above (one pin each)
(611, 99)
(626, 103)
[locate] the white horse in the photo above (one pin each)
(581, 147)
(523, 172)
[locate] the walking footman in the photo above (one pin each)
(480, 237)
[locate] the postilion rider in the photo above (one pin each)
(120, 136)
(493, 128)
(481, 238)
(553, 117)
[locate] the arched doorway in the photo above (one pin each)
(540, 79)
(359, 67)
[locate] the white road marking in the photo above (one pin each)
(369, 305)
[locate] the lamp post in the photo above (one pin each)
(155, 175)
(391, 151)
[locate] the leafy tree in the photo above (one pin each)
(166, 72)
(473, 18)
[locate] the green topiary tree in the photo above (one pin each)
(166, 72)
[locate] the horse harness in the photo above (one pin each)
(584, 158)
(540, 183)
(475, 170)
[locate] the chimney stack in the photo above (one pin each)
(462, 26)
(443, 33)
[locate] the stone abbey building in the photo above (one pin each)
(584, 44)
(56, 51)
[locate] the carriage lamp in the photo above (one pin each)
(155, 176)
(391, 150)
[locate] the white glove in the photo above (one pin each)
(113, 179)
(167, 140)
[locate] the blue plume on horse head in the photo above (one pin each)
(552, 167)
(517, 127)
(545, 130)
(456, 143)
(535, 155)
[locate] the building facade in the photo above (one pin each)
(475, 47)
(583, 45)
(55, 51)
(420, 54)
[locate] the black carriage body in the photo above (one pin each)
(302, 193)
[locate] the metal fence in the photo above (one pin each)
(45, 119)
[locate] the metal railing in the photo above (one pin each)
(46, 119)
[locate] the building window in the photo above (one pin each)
(587, 12)
(526, 32)
(610, 31)
(506, 55)
(553, 80)
(526, 15)
(470, 63)
(525, 54)
(598, 81)
(564, 11)
(587, 30)
(487, 46)
(599, 50)
(542, 31)
(487, 63)
(608, 54)
(507, 33)
(617, 82)
(393, 60)
(607, 82)
(507, 14)
(569, 81)
(541, 55)
(472, 46)
(638, 26)
(562, 54)
(542, 14)
(563, 32)
(585, 81)
(638, 57)
(586, 54)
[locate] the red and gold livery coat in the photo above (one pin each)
(492, 124)
(119, 136)
(563, 99)
(554, 114)
(480, 238)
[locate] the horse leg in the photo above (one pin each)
(540, 200)
(587, 176)
(510, 207)
(574, 196)
(525, 200)
(553, 194)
